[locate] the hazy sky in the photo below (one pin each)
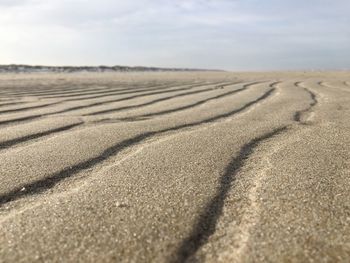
(223, 34)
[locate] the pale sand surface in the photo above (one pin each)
(175, 167)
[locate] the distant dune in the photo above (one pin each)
(71, 69)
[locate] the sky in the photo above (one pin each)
(213, 34)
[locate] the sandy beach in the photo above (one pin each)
(175, 167)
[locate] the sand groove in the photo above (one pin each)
(190, 106)
(12, 103)
(22, 119)
(157, 100)
(113, 93)
(298, 116)
(205, 226)
(28, 108)
(126, 98)
(50, 181)
(332, 87)
(13, 142)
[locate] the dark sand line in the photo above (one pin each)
(14, 103)
(323, 84)
(126, 98)
(27, 138)
(111, 91)
(33, 107)
(49, 182)
(190, 106)
(207, 220)
(60, 91)
(23, 119)
(153, 101)
(29, 108)
(110, 94)
(297, 116)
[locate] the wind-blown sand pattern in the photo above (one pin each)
(175, 167)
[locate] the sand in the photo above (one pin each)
(175, 167)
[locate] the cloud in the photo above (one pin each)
(12, 3)
(231, 34)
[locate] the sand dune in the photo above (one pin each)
(175, 167)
